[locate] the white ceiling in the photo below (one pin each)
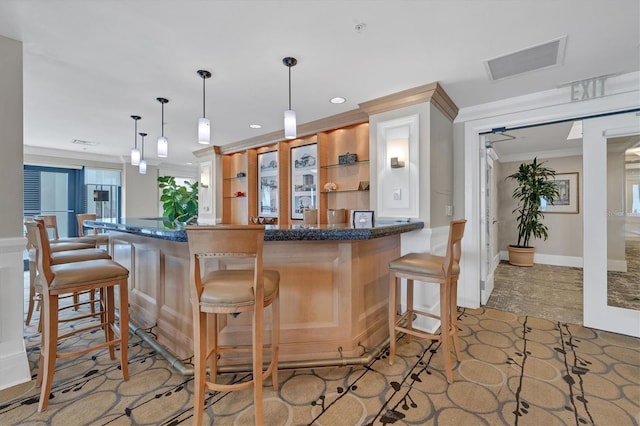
(89, 65)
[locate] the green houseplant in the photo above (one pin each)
(179, 202)
(534, 182)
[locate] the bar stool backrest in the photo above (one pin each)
(44, 251)
(50, 222)
(81, 218)
(454, 246)
(225, 241)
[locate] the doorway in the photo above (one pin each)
(621, 134)
(552, 288)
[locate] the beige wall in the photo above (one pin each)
(140, 193)
(11, 138)
(565, 230)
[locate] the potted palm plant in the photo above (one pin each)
(534, 183)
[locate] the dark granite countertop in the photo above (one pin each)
(157, 228)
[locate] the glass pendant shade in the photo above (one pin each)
(135, 156)
(290, 124)
(143, 167)
(204, 125)
(290, 131)
(163, 147)
(204, 131)
(163, 142)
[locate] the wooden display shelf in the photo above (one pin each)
(345, 190)
(331, 166)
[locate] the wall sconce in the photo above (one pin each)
(395, 163)
(398, 150)
(204, 177)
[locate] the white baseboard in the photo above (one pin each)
(617, 265)
(571, 261)
(14, 366)
(14, 369)
(550, 259)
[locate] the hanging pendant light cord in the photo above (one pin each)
(135, 134)
(203, 94)
(289, 88)
(162, 119)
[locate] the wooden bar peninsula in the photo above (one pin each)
(333, 290)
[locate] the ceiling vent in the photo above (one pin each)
(534, 58)
(85, 143)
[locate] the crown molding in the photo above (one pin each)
(432, 92)
(344, 119)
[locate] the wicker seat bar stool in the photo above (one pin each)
(220, 292)
(428, 268)
(70, 278)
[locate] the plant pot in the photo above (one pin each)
(521, 256)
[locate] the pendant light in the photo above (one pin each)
(135, 152)
(163, 143)
(204, 125)
(143, 162)
(290, 115)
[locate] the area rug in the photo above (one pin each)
(515, 370)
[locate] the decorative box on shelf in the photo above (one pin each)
(347, 158)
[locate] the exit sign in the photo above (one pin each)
(590, 88)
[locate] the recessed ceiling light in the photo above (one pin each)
(255, 126)
(189, 163)
(337, 100)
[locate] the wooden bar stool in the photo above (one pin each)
(60, 253)
(231, 291)
(429, 268)
(51, 224)
(102, 239)
(70, 278)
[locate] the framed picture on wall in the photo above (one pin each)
(568, 200)
(304, 179)
(268, 184)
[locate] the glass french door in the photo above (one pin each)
(53, 191)
(610, 234)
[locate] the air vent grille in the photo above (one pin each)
(85, 143)
(534, 58)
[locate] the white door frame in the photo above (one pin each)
(487, 215)
(543, 107)
(596, 312)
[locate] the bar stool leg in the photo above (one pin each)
(48, 349)
(110, 320)
(211, 355)
(454, 318)
(199, 360)
(275, 339)
(409, 307)
(393, 290)
(123, 293)
(32, 292)
(258, 323)
(445, 339)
